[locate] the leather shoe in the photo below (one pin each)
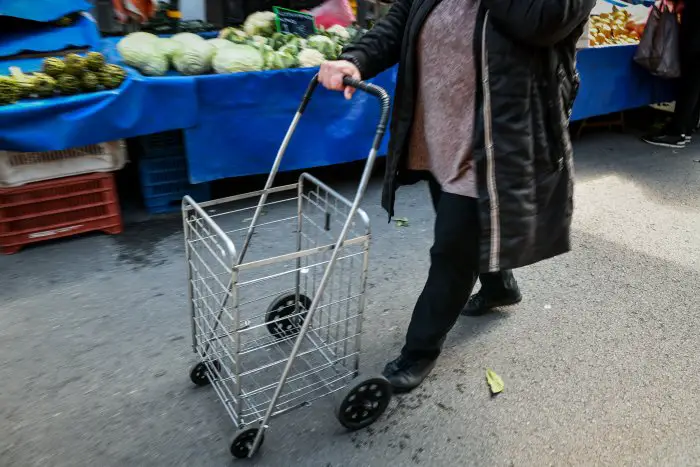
(406, 374)
(481, 302)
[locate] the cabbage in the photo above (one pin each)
(144, 56)
(194, 58)
(187, 38)
(234, 35)
(324, 45)
(157, 66)
(141, 36)
(238, 58)
(274, 61)
(289, 60)
(259, 41)
(293, 46)
(220, 43)
(261, 23)
(271, 60)
(168, 47)
(279, 40)
(309, 58)
(340, 33)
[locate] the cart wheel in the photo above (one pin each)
(363, 401)
(276, 317)
(243, 442)
(199, 372)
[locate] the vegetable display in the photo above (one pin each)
(74, 74)
(614, 28)
(194, 58)
(253, 47)
(261, 23)
(238, 58)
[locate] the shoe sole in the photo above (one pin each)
(495, 306)
(665, 145)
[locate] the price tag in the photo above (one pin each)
(294, 22)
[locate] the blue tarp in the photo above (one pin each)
(50, 38)
(243, 119)
(42, 10)
(138, 107)
(234, 124)
(612, 82)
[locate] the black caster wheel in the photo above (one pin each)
(243, 442)
(363, 401)
(199, 373)
(278, 312)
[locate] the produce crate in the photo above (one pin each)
(20, 168)
(165, 144)
(58, 208)
(164, 182)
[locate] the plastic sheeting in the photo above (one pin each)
(138, 107)
(243, 119)
(42, 10)
(612, 82)
(50, 38)
(234, 124)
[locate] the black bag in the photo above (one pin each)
(659, 49)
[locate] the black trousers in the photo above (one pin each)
(687, 113)
(454, 265)
(492, 283)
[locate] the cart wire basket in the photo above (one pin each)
(277, 282)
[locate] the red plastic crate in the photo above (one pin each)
(58, 208)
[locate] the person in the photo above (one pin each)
(482, 103)
(686, 115)
(498, 289)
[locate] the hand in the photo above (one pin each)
(332, 74)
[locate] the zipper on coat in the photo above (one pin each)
(494, 215)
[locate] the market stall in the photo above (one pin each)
(233, 93)
(610, 80)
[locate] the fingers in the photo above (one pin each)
(332, 73)
(349, 90)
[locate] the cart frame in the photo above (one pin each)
(300, 316)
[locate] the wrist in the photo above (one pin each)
(352, 59)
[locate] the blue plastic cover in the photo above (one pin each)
(51, 38)
(234, 124)
(42, 10)
(138, 107)
(244, 117)
(612, 82)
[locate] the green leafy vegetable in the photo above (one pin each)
(495, 382)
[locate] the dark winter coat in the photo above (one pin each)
(525, 51)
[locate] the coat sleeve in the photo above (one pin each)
(380, 48)
(539, 22)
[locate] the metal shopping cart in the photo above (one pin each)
(277, 323)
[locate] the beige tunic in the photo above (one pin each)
(442, 133)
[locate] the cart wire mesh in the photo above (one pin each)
(246, 317)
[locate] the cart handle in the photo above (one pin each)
(369, 88)
(385, 107)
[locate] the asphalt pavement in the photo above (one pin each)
(600, 361)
